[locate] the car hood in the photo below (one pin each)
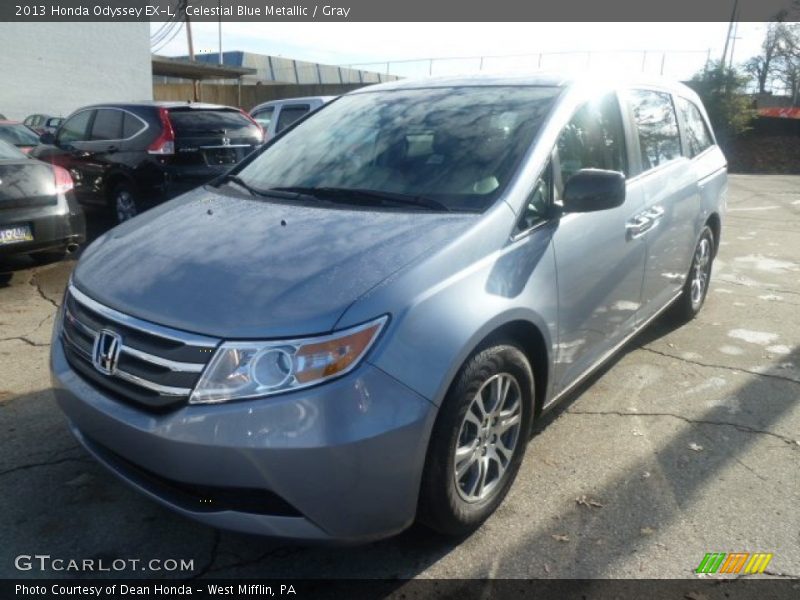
(235, 267)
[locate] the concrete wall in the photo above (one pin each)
(251, 95)
(54, 68)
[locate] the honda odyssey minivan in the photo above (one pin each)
(357, 326)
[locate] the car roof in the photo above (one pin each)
(562, 79)
(9, 122)
(158, 104)
(292, 100)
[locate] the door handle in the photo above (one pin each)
(654, 212)
(638, 226)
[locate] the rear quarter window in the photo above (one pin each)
(698, 135)
(657, 127)
(131, 126)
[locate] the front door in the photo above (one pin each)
(600, 267)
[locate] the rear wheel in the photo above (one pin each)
(124, 203)
(478, 441)
(695, 289)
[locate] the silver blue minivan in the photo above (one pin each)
(357, 326)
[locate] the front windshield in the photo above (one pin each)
(458, 146)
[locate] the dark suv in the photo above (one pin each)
(132, 156)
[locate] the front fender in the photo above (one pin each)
(432, 336)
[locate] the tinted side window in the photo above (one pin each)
(107, 125)
(657, 126)
(75, 128)
(130, 126)
(698, 137)
(264, 116)
(593, 139)
(290, 114)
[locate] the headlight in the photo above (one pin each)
(254, 369)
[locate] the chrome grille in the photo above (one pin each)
(157, 367)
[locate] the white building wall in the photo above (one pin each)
(54, 68)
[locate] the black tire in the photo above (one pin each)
(690, 302)
(442, 504)
(123, 202)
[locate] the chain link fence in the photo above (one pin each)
(677, 64)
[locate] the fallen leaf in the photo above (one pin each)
(695, 447)
(637, 433)
(586, 501)
(646, 475)
(546, 568)
(647, 531)
(695, 596)
(560, 537)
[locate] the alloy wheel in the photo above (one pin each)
(700, 271)
(487, 438)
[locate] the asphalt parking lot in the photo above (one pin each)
(688, 443)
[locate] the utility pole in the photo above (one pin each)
(733, 43)
(189, 38)
(730, 30)
(220, 31)
(195, 82)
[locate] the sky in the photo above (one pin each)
(612, 45)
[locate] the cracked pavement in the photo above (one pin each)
(689, 440)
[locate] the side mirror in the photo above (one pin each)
(53, 122)
(47, 138)
(594, 189)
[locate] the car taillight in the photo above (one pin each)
(256, 123)
(165, 142)
(64, 181)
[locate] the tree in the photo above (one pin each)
(761, 67)
(787, 61)
(722, 90)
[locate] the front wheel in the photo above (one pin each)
(695, 290)
(478, 440)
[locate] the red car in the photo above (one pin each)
(19, 135)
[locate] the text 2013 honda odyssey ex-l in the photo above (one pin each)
(358, 325)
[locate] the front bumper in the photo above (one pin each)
(346, 456)
(53, 227)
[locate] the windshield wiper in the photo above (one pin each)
(254, 191)
(361, 196)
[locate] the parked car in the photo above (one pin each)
(18, 135)
(38, 211)
(43, 123)
(130, 157)
(356, 327)
(277, 115)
